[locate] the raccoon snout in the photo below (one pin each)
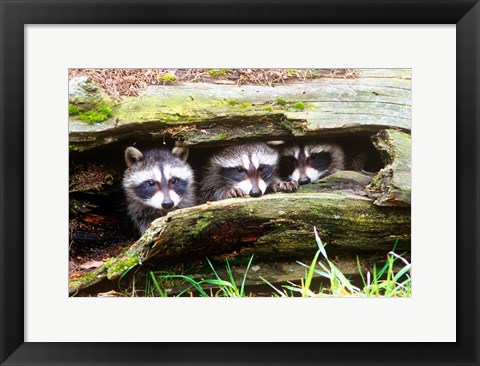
(255, 192)
(167, 203)
(304, 180)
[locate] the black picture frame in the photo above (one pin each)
(15, 14)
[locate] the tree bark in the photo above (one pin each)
(392, 185)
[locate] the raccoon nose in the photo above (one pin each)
(167, 203)
(255, 192)
(304, 180)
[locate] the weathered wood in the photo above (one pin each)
(83, 92)
(392, 185)
(272, 226)
(201, 113)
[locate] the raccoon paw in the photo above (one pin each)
(286, 186)
(235, 192)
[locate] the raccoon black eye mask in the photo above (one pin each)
(157, 182)
(309, 163)
(242, 170)
(149, 188)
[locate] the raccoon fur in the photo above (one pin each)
(157, 182)
(308, 163)
(242, 170)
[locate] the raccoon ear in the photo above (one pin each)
(132, 155)
(181, 152)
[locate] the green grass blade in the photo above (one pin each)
(395, 245)
(401, 273)
(343, 280)
(157, 286)
(311, 271)
(124, 273)
(242, 286)
(320, 245)
(213, 269)
(225, 290)
(183, 292)
(273, 287)
(292, 288)
(382, 271)
(360, 271)
(219, 283)
(230, 275)
(374, 282)
(401, 286)
(322, 273)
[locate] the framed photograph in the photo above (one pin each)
(213, 159)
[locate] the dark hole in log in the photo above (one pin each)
(98, 219)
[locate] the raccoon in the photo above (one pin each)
(243, 170)
(308, 163)
(157, 182)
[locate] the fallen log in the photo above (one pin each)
(272, 226)
(203, 114)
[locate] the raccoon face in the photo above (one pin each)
(247, 168)
(157, 179)
(309, 163)
(161, 187)
(251, 180)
